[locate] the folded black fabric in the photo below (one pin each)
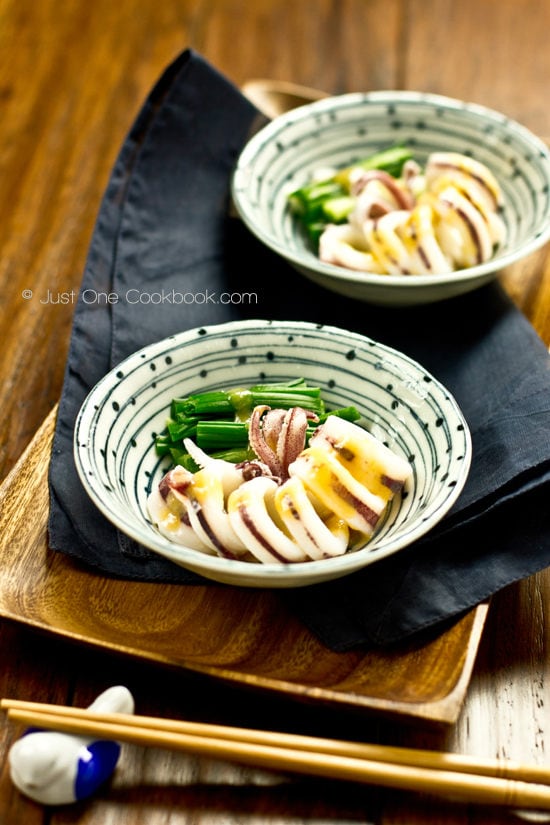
(165, 223)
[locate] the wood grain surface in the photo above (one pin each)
(72, 78)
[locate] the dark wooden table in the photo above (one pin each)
(72, 78)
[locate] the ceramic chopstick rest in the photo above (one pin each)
(59, 768)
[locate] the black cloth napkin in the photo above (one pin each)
(165, 223)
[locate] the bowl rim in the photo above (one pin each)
(338, 273)
(215, 566)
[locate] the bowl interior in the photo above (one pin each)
(399, 402)
(338, 131)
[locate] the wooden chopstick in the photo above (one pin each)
(358, 750)
(460, 777)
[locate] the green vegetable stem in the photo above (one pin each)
(218, 421)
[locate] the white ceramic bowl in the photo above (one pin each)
(399, 401)
(340, 130)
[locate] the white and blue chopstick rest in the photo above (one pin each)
(59, 768)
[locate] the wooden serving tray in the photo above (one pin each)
(246, 636)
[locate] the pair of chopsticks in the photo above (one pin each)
(460, 777)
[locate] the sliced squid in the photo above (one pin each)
(319, 538)
(253, 518)
(229, 474)
(208, 515)
(168, 508)
(414, 180)
(391, 243)
(385, 186)
(345, 245)
(430, 254)
(202, 496)
(495, 227)
(368, 460)
(376, 194)
(466, 173)
(338, 490)
(457, 211)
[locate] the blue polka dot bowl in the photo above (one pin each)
(399, 402)
(338, 131)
